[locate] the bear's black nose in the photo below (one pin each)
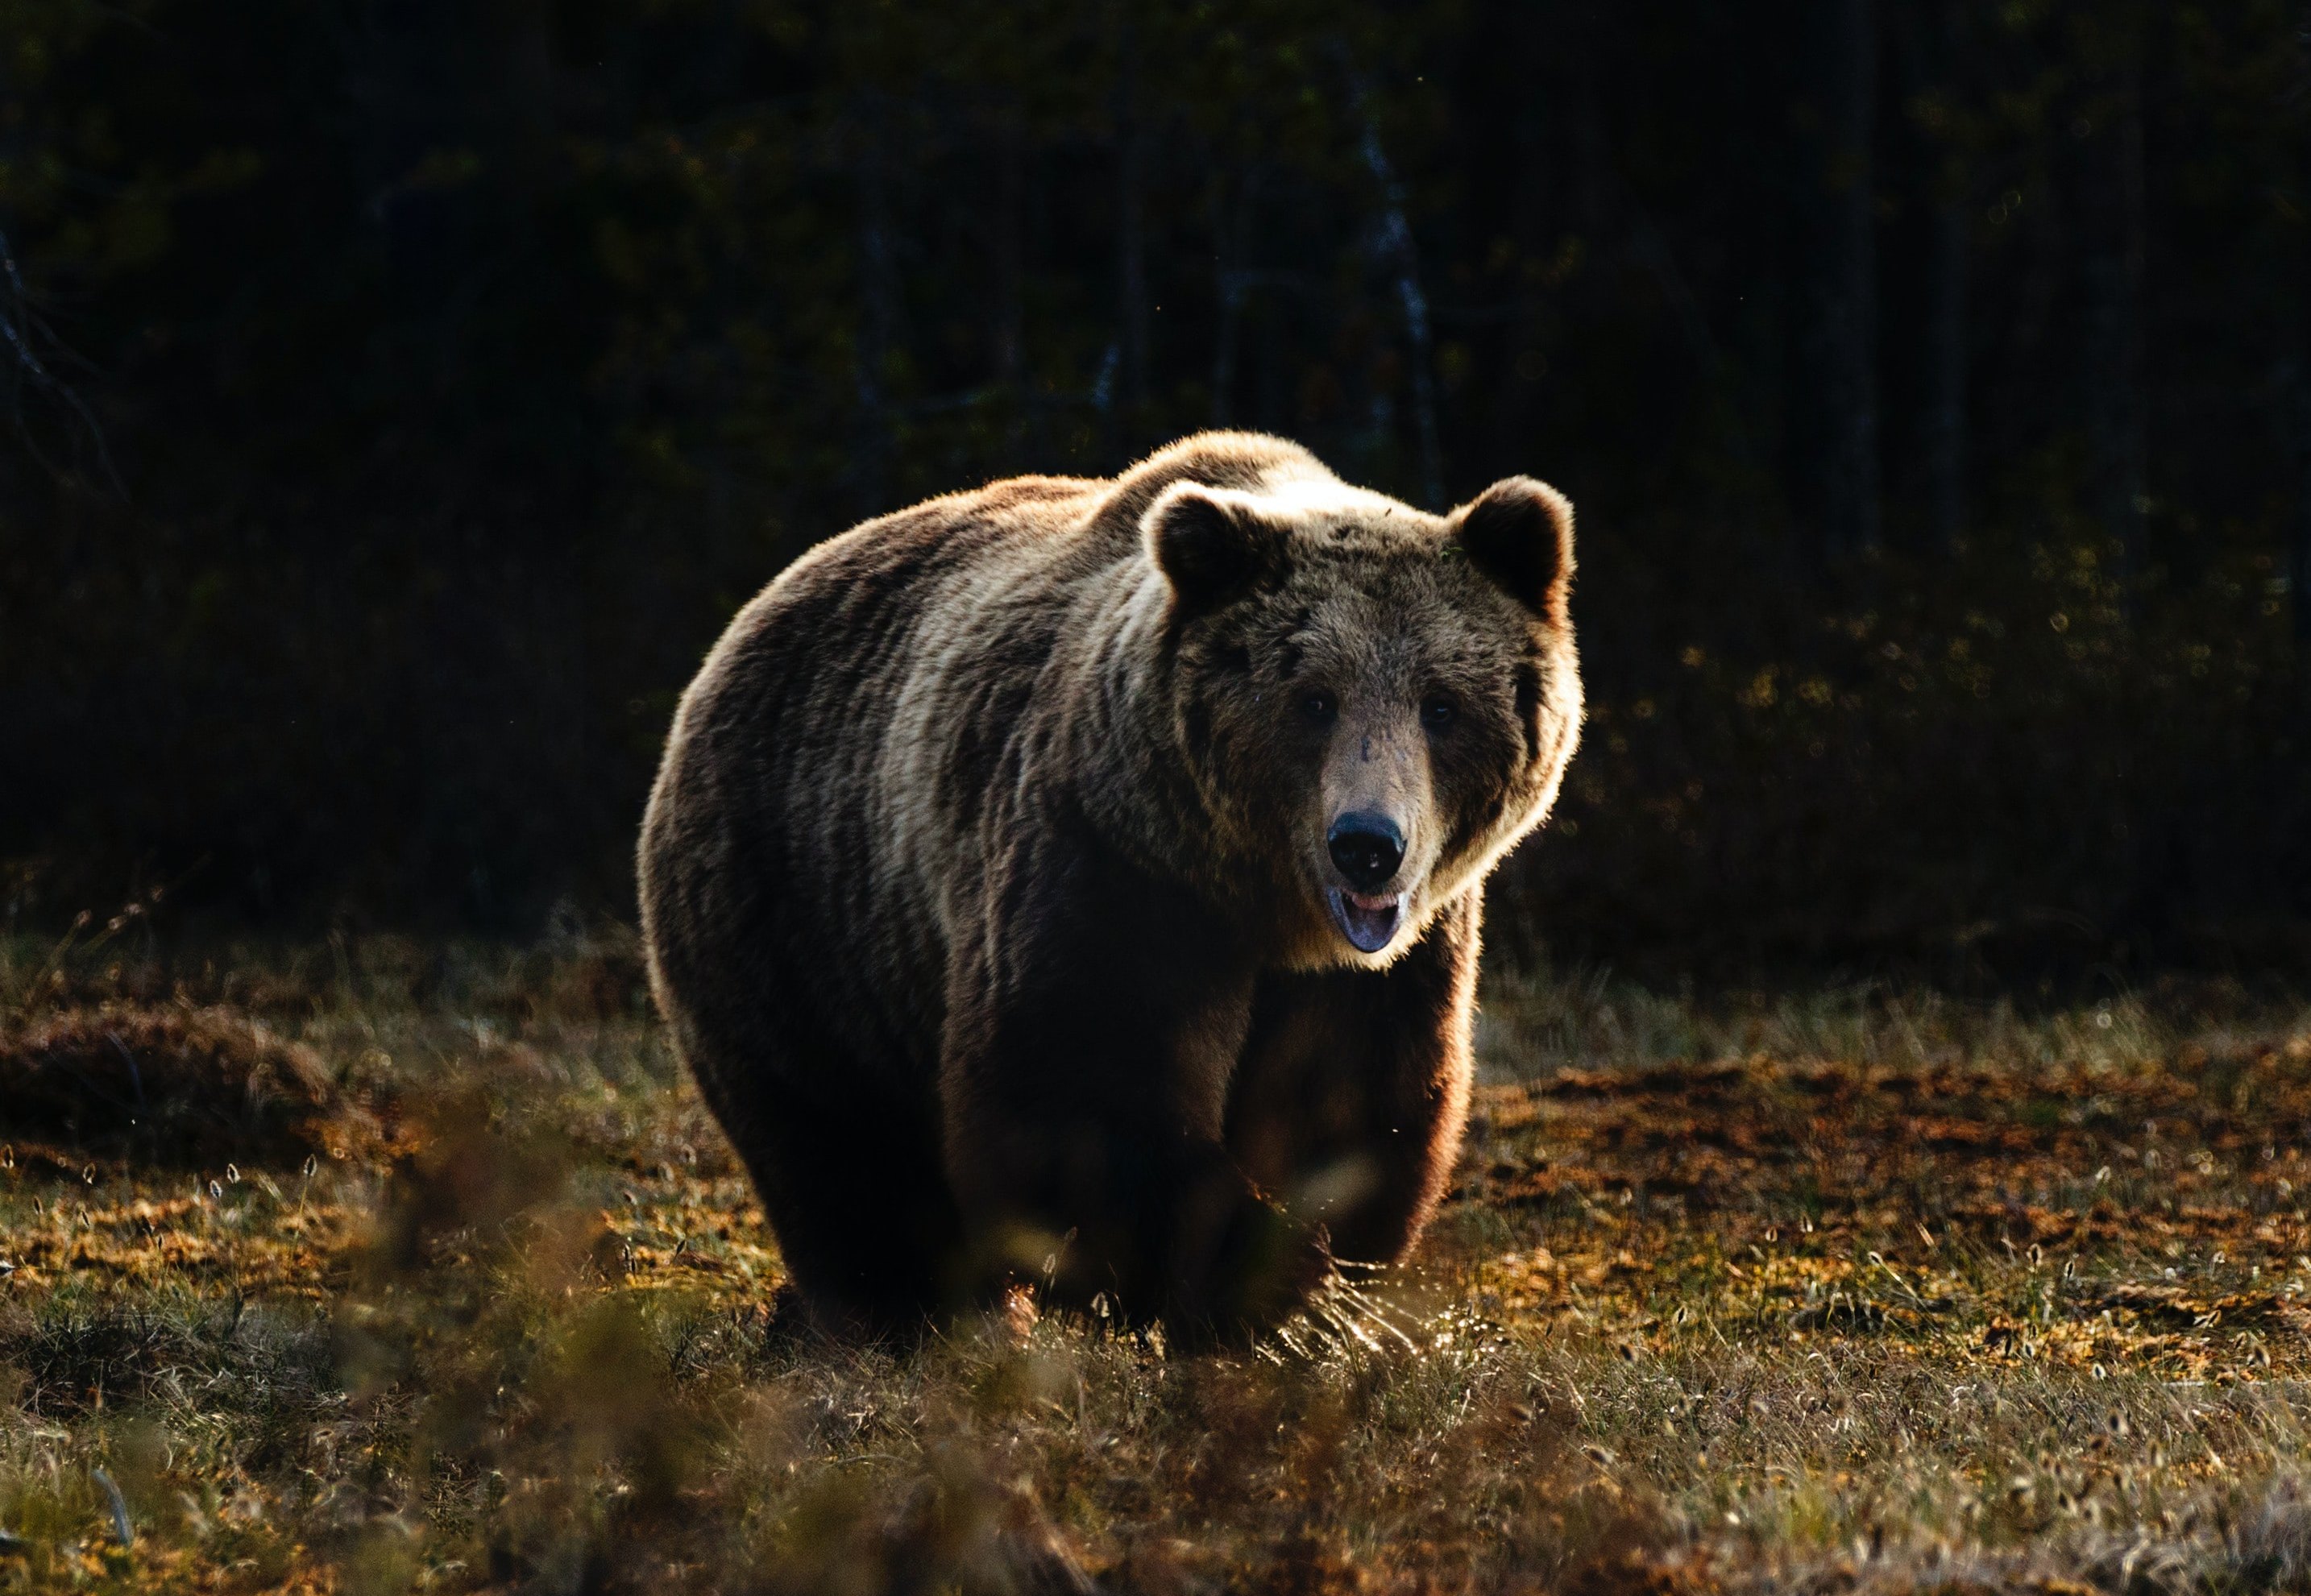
(1367, 848)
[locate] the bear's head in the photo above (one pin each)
(1373, 703)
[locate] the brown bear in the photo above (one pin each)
(1077, 882)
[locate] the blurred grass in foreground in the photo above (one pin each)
(1851, 1288)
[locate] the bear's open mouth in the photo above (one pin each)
(1368, 923)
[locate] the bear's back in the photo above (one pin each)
(768, 843)
(816, 819)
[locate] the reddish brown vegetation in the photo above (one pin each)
(1812, 1197)
(177, 1086)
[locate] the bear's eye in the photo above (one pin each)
(1438, 711)
(1319, 707)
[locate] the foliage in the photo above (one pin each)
(1987, 775)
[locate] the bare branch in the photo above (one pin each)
(25, 335)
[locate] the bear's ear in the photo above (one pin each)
(1211, 544)
(1519, 532)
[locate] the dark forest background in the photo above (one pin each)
(399, 395)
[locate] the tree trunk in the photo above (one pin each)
(1006, 341)
(1231, 243)
(2296, 398)
(2299, 551)
(2294, 387)
(1131, 232)
(1403, 254)
(1944, 426)
(1836, 398)
(2114, 281)
(1945, 418)
(2298, 580)
(1007, 329)
(878, 291)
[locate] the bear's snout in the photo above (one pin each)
(1367, 849)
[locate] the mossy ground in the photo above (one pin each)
(1847, 1290)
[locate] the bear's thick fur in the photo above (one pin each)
(1078, 881)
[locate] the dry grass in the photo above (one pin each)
(1854, 1292)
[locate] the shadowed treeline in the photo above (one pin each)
(400, 396)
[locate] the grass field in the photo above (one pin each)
(1833, 1291)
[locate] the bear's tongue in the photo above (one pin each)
(1368, 923)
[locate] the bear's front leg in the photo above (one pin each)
(1091, 1034)
(1352, 1092)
